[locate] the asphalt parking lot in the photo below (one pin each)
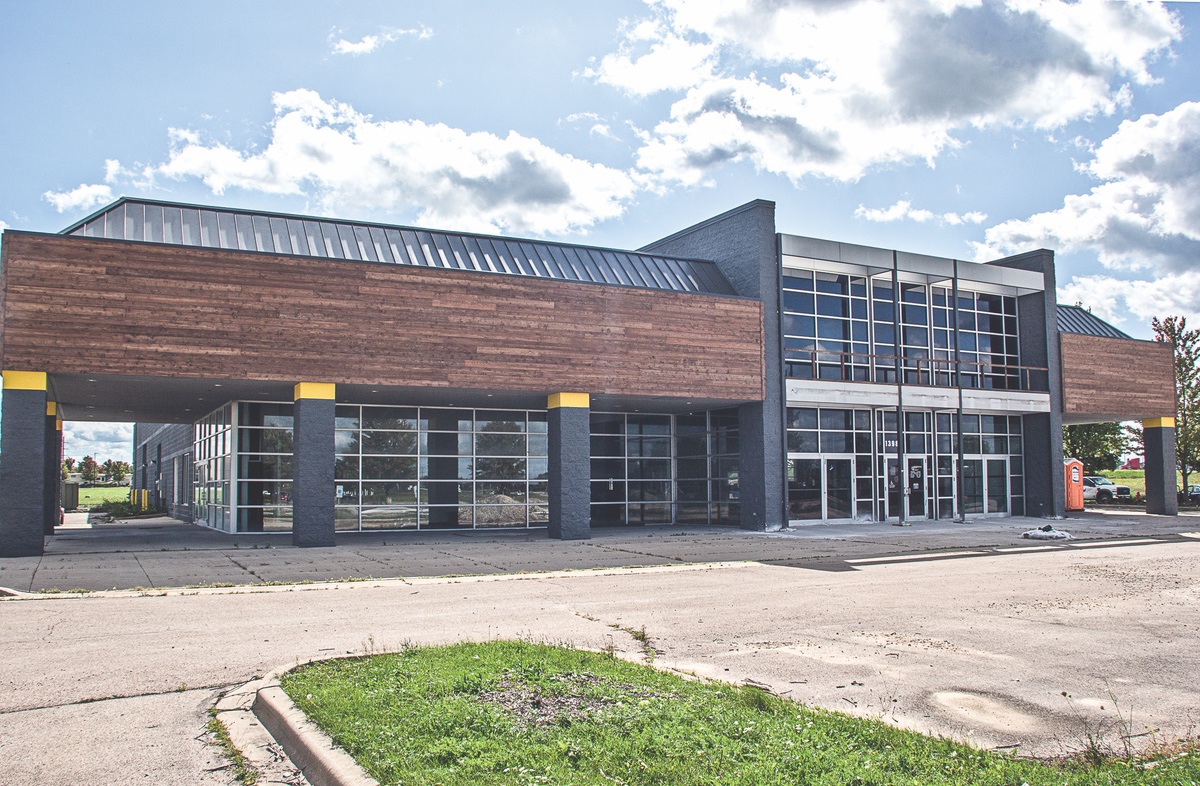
(968, 631)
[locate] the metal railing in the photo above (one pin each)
(931, 372)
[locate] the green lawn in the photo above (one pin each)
(92, 497)
(517, 713)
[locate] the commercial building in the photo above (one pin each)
(324, 376)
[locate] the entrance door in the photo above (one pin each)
(916, 488)
(820, 489)
(972, 486)
(804, 489)
(839, 488)
(895, 489)
(997, 485)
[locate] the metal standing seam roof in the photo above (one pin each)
(1073, 319)
(274, 233)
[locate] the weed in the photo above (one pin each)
(242, 770)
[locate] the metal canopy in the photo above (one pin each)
(274, 233)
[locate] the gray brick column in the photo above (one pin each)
(23, 464)
(1158, 437)
(53, 463)
(314, 492)
(570, 483)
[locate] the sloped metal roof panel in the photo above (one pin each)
(1073, 319)
(173, 223)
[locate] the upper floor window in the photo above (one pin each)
(854, 328)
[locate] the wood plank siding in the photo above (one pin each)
(1116, 378)
(83, 305)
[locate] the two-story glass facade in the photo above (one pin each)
(905, 387)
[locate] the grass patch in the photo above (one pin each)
(96, 496)
(518, 713)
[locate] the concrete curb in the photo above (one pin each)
(309, 748)
(262, 706)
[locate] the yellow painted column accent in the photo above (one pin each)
(24, 380)
(1158, 423)
(318, 390)
(51, 409)
(573, 400)
(58, 423)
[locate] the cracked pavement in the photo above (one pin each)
(966, 631)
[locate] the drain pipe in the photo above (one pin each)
(957, 431)
(902, 514)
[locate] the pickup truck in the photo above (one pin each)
(1101, 489)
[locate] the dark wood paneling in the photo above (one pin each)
(1116, 378)
(81, 305)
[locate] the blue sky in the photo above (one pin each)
(949, 127)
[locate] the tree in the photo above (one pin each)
(1136, 440)
(1098, 445)
(1173, 330)
(68, 466)
(120, 470)
(89, 470)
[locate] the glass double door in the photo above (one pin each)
(820, 489)
(985, 485)
(907, 487)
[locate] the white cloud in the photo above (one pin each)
(81, 198)
(598, 128)
(354, 164)
(859, 83)
(369, 43)
(1113, 299)
(652, 58)
(1145, 212)
(903, 209)
(102, 441)
(1142, 218)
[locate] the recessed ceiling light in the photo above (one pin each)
(217, 385)
(91, 380)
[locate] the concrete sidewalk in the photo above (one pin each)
(162, 552)
(112, 688)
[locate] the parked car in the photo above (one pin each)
(1192, 494)
(1101, 489)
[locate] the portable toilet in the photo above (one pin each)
(1073, 477)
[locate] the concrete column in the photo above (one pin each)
(314, 492)
(570, 484)
(760, 492)
(53, 463)
(23, 464)
(1158, 437)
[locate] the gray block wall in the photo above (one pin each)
(52, 461)
(176, 441)
(744, 245)
(569, 485)
(23, 473)
(313, 488)
(1037, 318)
(1160, 471)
